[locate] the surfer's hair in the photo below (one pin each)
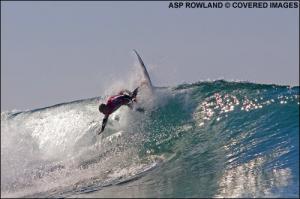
(102, 107)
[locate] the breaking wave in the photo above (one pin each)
(207, 139)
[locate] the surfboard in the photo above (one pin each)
(144, 71)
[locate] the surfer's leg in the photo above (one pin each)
(134, 92)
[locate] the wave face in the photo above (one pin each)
(208, 139)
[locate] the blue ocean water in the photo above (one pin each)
(207, 139)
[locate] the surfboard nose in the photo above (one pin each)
(144, 70)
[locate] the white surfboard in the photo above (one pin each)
(144, 71)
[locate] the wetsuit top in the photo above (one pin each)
(114, 102)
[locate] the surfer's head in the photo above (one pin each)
(102, 108)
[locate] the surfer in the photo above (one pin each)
(125, 97)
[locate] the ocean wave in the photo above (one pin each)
(207, 139)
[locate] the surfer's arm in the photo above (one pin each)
(104, 121)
